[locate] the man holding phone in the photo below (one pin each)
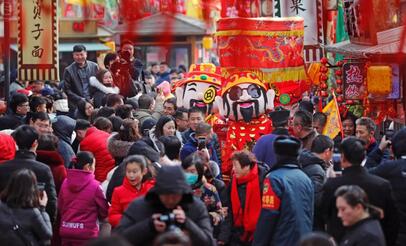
(200, 140)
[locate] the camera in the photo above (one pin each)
(170, 221)
(201, 143)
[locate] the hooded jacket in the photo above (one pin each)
(7, 147)
(54, 160)
(117, 147)
(81, 203)
(263, 149)
(136, 225)
(63, 128)
(98, 91)
(123, 196)
(95, 141)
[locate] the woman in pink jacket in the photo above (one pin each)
(81, 202)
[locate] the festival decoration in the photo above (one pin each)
(37, 40)
(353, 77)
(244, 99)
(333, 124)
(272, 48)
(379, 80)
(199, 88)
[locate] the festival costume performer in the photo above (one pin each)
(244, 101)
(199, 89)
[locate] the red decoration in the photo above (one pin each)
(339, 90)
(324, 60)
(340, 99)
(339, 82)
(339, 72)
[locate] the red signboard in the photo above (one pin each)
(354, 75)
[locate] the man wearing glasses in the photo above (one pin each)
(17, 112)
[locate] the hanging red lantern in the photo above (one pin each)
(339, 72)
(339, 81)
(339, 90)
(324, 60)
(324, 77)
(340, 99)
(323, 86)
(339, 63)
(324, 93)
(323, 69)
(349, 102)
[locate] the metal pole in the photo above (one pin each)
(7, 14)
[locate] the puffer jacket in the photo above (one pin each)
(54, 160)
(63, 128)
(81, 203)
(95, 141)
(122, 197)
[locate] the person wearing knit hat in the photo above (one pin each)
(286, 184)
(263, 148)
(7, 147)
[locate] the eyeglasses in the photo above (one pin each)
(252, 90)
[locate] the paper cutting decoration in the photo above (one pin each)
(37, 40)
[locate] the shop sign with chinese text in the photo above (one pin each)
(354, 75)
(37, 40)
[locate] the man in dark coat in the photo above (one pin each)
(26, 138)
(287, 198)
(263, 149)
(393, 171)
(315, 163)
(17, 112)
(76, 77)
(169, 205)
(378, 190)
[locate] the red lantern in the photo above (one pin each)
(339, 63)
(323, 69)
(340, 99)
(324, 77)
(339, 81)
(339, 72)
(349, 102)
(324, 93)
(323, 86)
(324, 60)
(339, 90)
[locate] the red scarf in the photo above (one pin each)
(249, 217)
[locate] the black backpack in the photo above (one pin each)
(11, 233)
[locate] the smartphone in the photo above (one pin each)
(41, 186)
(201, 143)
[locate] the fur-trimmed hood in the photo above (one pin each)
(117, 147)
(99, 86)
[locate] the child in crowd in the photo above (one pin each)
(81, 202)
(133, 186)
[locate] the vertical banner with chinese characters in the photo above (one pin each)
(37, 40)
(354, 75)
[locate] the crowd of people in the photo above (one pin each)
(105, 157)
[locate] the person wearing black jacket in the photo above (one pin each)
(379, 191)
(393, 171)
(145, 217)
(26, 138)
(17, 112)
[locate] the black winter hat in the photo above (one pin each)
(142, 148)
(171, 180)
(287, 146)
(280, 116)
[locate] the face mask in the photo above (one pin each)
(191, 178)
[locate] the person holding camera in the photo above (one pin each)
(199, 140)
(168, 206)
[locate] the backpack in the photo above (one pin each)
(11, 233)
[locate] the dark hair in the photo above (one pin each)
(132, 102)
(139, 159)
(163, 63)
(305, 118)
(105, 112)
(102, 123)
(174, 70)
(159, 127)
(100, 74)
(320, 117)
(399, 143)
(321, 143)
(82, 124)
(40, 116)
(353, 150)
(172, 238)
(16, 100)
(126, 131)
(306, 106)
(182, 68)
(108, 58)
(172, 146)
(349, 116)
(82, 109)
(79, 48)
(82, 159)
(203, 128)
(153, 64)
(245, 158)
(171, 100)
(116, 123)
(194, 160)
(145, 101)
(108, 241)
(25, 136)
(367, 122)
(317, 239)
(35, 102)
(21, 190)
(112, 99)
(195, 110)
(124, 111)
(179, 112)
(48, 142)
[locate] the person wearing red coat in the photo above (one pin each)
(7, 147)
(95, 141)
(55, 161)
(133, 187)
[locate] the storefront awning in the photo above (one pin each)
(68, 47)
(357, 50)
